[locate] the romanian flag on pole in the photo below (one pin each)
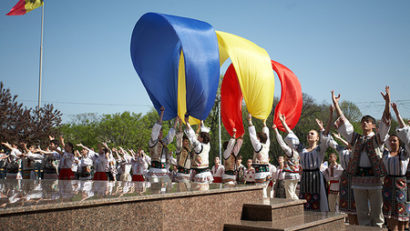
(24, 6)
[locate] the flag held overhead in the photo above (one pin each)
(24, 6)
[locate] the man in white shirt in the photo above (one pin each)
(365, 165)
(332, 175)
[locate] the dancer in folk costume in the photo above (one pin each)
(291, 164)
(101, 165)
(346, 196)
(14, 162)
(125, 162)
(366, 165)
(312, 184)
(217, 170)
(260, 143)
(230, 155)
(85, 166)
(396, 160)
(66, 161)
(111, 164)
(50, 170)
(201, 148)
(160, 155)
(27, 163)
(279, 176)
(332, 175)
(140, 164)
(36, 157)
(240, 170)
(249, 173)
(183, 153)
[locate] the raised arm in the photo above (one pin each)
(198, 128)
(7, 145)
(62, 141)
(282, 119)
(335, 100)
(403, 132)
(84, 147)
(106, 146)
(230, 146)
(399, 119)
(386, 97)
(329, 122)
(114, 150)
(344, 127)
(171, 134)
(339, 138)
(192, 136)
(238, 146)
(156, 129)
(384, 125)
(161, 116)
(282, 144)
(256, 144)
(25, 147)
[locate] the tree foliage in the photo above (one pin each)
(22, 124)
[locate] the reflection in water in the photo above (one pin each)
(18, 193)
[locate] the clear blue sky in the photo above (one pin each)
(354, 47)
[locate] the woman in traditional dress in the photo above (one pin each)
(396, 159)
(312, 184)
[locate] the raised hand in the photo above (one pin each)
(386, 96)
(320, 124)
(282, 118)
(394, 106)
(335, 98)
(186, 118)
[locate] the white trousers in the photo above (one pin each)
(333, 201)
(372, 216)
(290, 189)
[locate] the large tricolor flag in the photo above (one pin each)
(24, 6)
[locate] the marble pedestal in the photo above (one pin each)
(101, 205)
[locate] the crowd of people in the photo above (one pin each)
(369, 183)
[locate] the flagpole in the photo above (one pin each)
(41, 57)
(219, 127)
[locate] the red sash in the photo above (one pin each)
(330, 184)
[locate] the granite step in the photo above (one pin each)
(304, 221)
(364, 228)
(272, 209)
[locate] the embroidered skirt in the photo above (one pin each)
(312, 189)
(395, 198)
(347, 203)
